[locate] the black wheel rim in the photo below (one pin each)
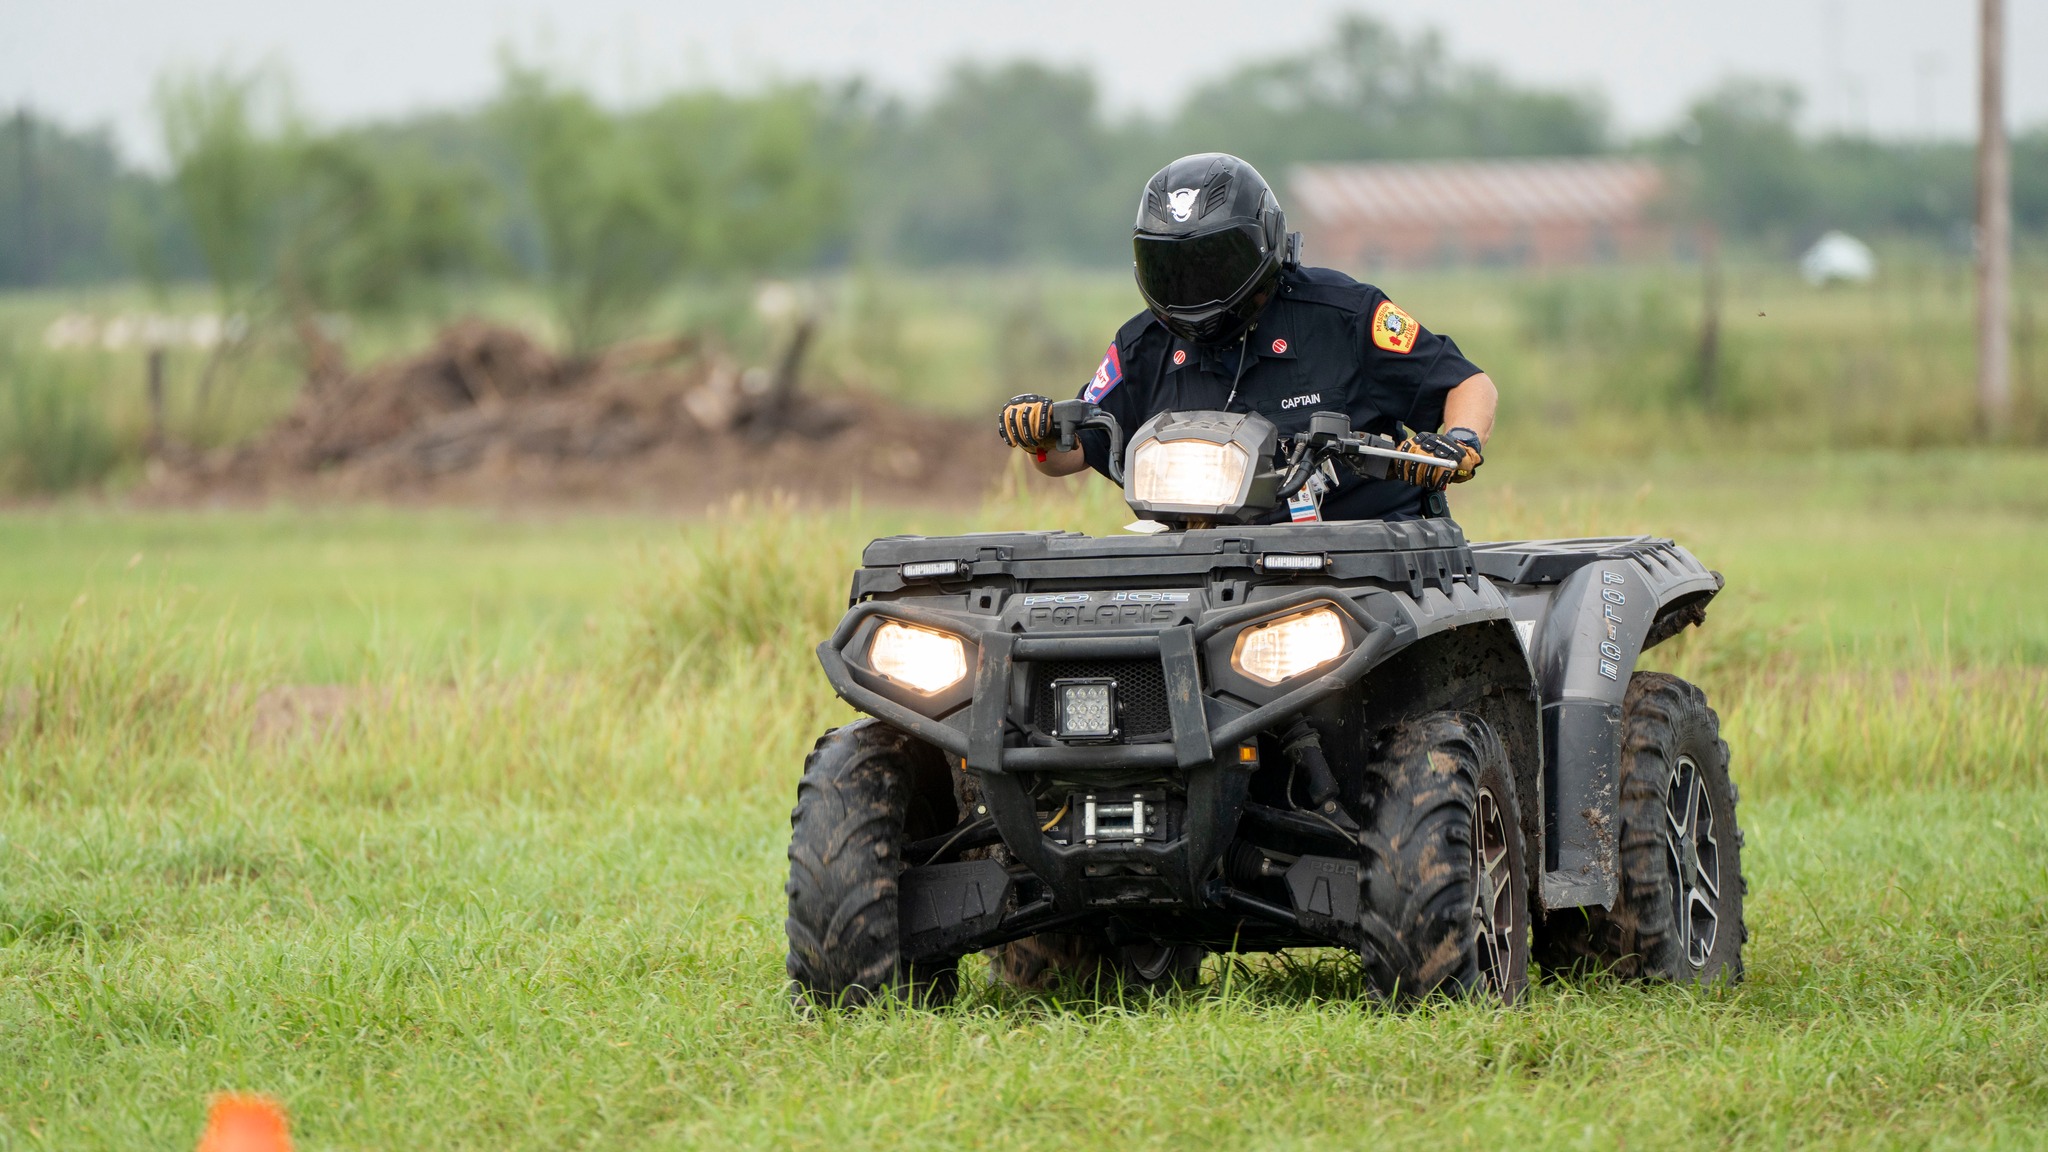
(1695, 857)
(1493, 897)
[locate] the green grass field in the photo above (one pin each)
(466, 831)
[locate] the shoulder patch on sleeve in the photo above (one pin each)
(1108, 375)
(1392, 329)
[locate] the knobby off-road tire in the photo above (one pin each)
(1444, 881)
(854, 809)
(1678, 916)
(1039, 962)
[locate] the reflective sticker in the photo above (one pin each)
(1108, 375)
(1392, 329)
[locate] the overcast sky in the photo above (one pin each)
(1894, 67)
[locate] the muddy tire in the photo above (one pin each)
(855, 808)
(1678, 917)
(1039, 962)
(1443, 877)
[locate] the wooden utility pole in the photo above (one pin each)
(1994, 226)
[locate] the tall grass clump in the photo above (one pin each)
(129, 703)
(721, 642)
(1840, 735)
(54, 433)
(741, 590)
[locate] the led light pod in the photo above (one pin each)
(1084, 709)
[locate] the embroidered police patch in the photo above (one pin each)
(1392, 329)
(1108, 375)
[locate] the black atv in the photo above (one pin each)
(1108, 757)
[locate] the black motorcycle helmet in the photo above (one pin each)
(1208, 246)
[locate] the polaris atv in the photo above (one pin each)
(1108, 757)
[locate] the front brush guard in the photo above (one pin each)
(1203, 726)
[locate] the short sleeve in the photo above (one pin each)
(1108, 391)
(1409, 370)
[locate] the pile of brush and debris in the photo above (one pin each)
(488, 414)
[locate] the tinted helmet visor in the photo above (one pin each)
(1192, 271)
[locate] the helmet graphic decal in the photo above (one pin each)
(1182, 201)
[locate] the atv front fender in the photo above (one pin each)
(1587, 610)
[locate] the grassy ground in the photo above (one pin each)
(509, 876)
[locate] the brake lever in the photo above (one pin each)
(1330, 435)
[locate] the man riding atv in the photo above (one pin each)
(1295, 709)
(1235, 323)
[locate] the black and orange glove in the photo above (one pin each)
(1460, 456)
(1027, 423)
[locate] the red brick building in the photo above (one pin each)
(1361, 217)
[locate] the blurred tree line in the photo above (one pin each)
(604, 206)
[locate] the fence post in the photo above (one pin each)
(155, 443)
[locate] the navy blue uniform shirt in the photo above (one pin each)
(1325, 343)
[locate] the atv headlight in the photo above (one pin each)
(920, 658)
(1290, 646)
(1189, 472)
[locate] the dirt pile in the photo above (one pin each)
(488, 415)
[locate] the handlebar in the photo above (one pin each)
(1329, 437)
(1070, 416)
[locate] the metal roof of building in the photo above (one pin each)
(1452, 191)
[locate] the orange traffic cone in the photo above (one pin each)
(245, 1124)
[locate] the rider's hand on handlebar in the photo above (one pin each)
(1460, 459)
(1027, 423)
